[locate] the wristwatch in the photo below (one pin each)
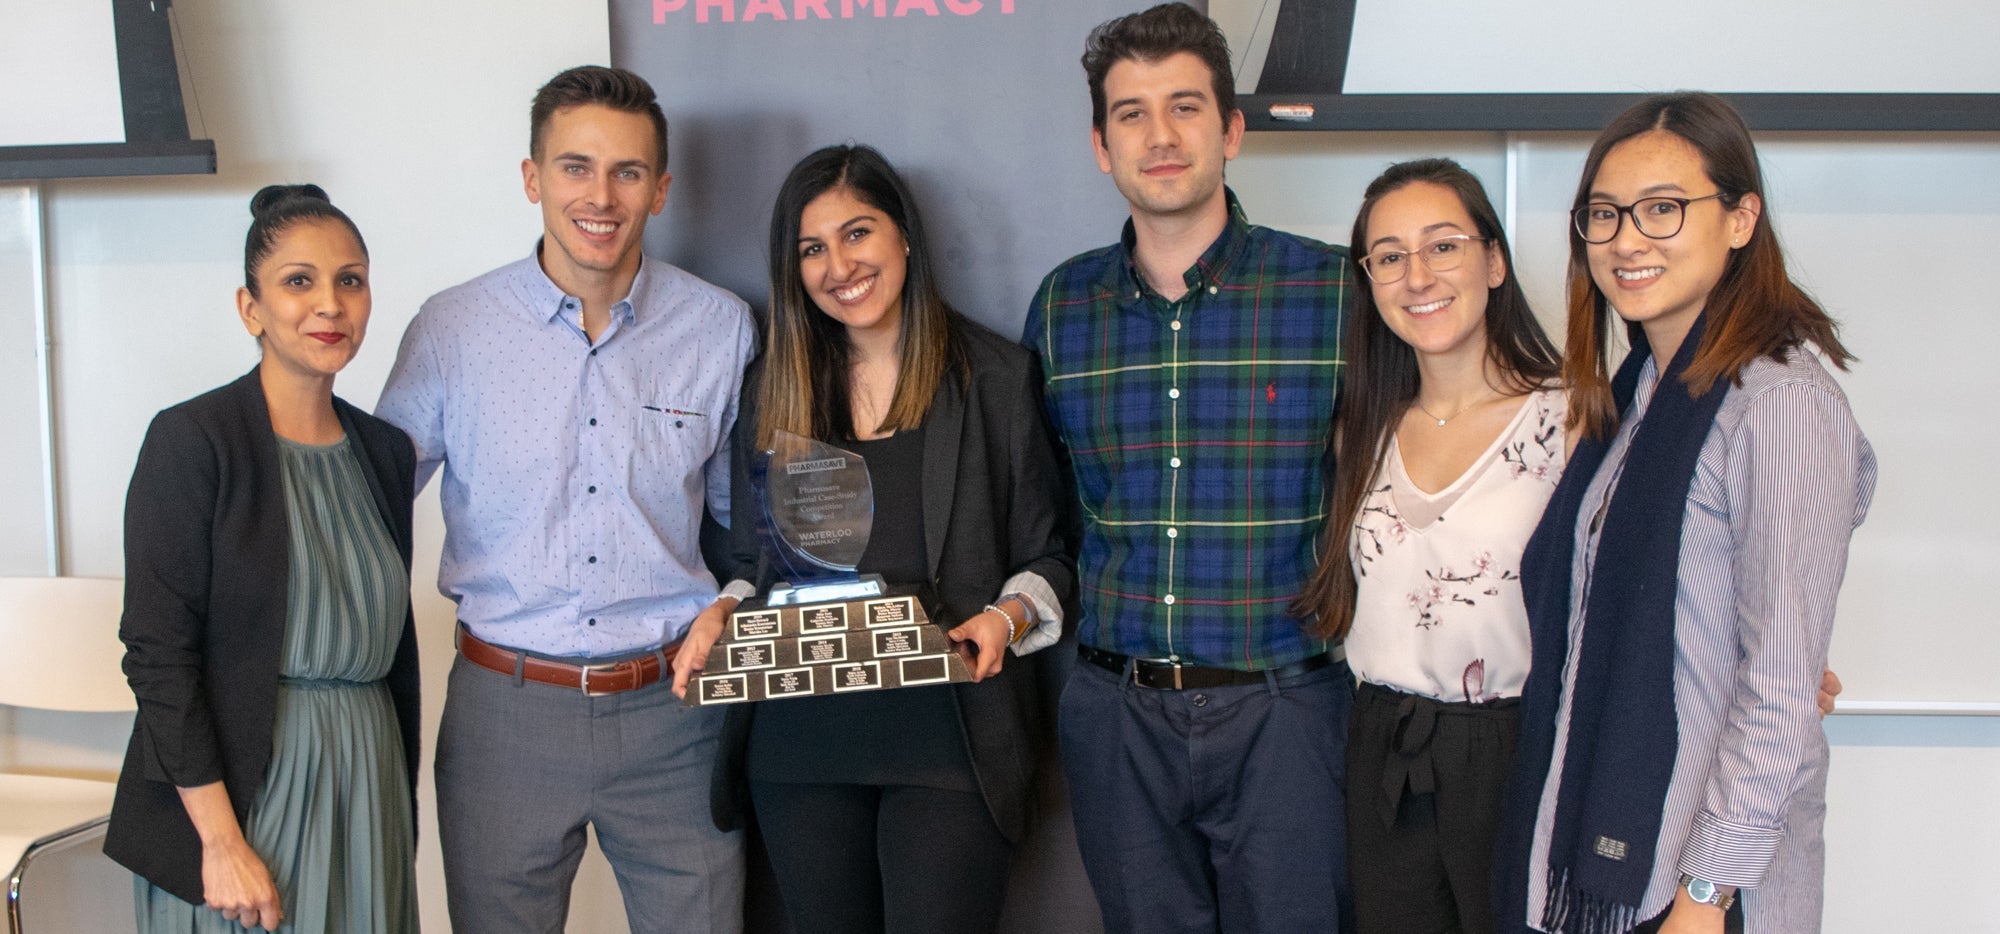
(1704, 892)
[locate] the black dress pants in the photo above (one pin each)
(1423, 804)
(883, 859)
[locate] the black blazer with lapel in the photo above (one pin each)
(207, 557)
(990, 492)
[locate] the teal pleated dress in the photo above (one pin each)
(332, 819)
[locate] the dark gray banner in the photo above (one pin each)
(980, 103)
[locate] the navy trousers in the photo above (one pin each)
(1212, 810)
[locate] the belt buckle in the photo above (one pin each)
(1173, 663)
(583, 680)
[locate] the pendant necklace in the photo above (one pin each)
(1440, 421)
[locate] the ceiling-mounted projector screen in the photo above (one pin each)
(1571, 64)
(90, 88)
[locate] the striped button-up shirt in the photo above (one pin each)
(1195, 430)
(1780, 484)
(574, 472)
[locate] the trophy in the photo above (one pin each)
(825, 629)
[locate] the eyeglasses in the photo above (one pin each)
(1385, 267)
(1657, 218)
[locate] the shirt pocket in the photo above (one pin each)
(671, 440)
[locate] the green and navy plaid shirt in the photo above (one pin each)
(1195, 431)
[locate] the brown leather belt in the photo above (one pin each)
(593, 680)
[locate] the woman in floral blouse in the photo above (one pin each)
(1450, 441)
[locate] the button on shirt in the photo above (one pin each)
(1195, 431)
(574, 473)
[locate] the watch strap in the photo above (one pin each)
(1705, 892)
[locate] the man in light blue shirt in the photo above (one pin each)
(580, 402)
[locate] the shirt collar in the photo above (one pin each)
(545, 300)
(1209, 269)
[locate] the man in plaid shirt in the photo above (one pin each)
(1190, 373)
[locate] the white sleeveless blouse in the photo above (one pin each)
(1438, 608)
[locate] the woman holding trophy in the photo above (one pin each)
(862, 352)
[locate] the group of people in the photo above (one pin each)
(1341, 667)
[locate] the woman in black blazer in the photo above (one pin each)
(267, 620)
(897, 810)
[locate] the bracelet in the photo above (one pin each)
(1016, 629)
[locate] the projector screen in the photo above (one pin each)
(70, 46)
(90, 88)
(1570, 64)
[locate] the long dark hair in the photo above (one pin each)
(1754, 310)
(807, 359)
(1380, 380)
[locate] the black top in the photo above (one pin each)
(990, 489)
(905, 736)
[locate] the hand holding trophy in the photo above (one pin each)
(825, 629)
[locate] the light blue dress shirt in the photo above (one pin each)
(574, 473)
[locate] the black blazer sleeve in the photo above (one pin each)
(169, 511)
(1034, 506)
(746, 548)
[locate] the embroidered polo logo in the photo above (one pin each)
(1610, 849)
(1271, 392)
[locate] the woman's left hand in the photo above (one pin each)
(1829, 688)
(1691, 917)
(988, 633)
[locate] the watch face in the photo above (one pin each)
(1702, 891)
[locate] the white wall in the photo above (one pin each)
(413, 116)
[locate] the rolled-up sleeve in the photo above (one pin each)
(1044, 572)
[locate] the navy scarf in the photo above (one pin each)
(1622, 731)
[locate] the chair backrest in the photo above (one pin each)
(59, 647)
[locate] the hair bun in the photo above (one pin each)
(272, 195)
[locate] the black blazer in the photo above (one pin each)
(207, 555)
(990, 493)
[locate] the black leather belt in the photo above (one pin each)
(1177, 676)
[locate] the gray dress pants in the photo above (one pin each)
(522, 767)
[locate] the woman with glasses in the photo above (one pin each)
(1450, 440)
(897, 810)
(1681, 585)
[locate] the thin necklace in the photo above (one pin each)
(1468, 407)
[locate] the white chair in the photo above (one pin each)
(59, 650)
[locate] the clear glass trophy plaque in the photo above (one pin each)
(818, 510)
(825, 629)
